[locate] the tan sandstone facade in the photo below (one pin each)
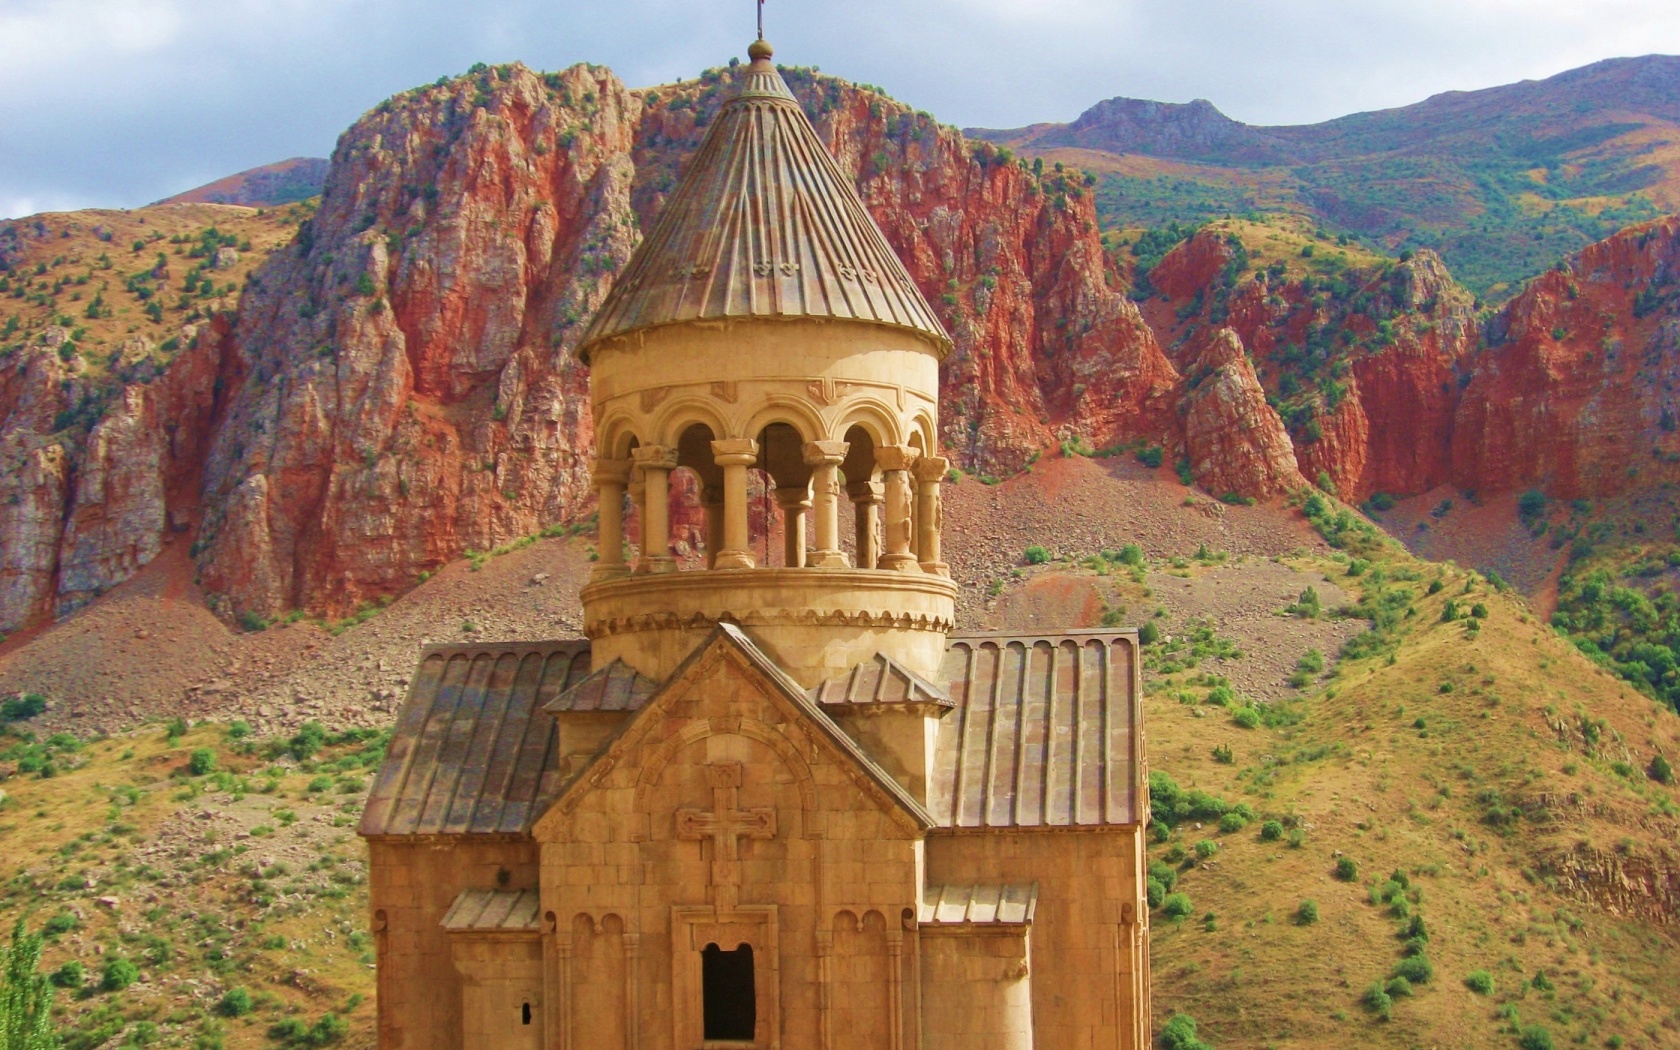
(760, 805)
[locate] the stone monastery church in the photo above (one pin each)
(766, 806)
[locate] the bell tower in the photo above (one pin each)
(765, 324)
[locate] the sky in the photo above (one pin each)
(117, 103)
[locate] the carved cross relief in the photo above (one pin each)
(725, 826)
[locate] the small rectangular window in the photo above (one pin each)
(729, 1000)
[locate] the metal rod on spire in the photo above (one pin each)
(761, 19)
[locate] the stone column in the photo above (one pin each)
(895, 462)
(866, 503)
(930, 471)
(609, 477)
(795, 501)
(712, 499)
(824, 459)
(655, 463)
(734, 455)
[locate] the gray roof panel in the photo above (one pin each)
(472, 752)
(1047, 731)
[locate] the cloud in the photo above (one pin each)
(120, 102)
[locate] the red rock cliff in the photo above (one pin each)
(407, 386)
(1575, 393)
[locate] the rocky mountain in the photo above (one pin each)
(283, 182)
(1501, 181)
(394, 386)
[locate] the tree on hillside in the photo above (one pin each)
(25, 995)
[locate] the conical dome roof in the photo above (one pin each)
(763, 224)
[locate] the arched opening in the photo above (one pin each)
(787, 482)
(697, 495)
(729, 1000)
(864, 491)
(918, 506)
(634, 490)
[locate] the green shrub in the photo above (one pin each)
(118, 974)
(1307, 605)
(1149, 634)
(70, 975)
(1036, 555)
(1661, 771)
(20, 708)
(319, 784)
(1206, 848)
(1312, 662)
(1176, 905)
(1246, 717)
(235, 1002)
(1152, 456)
(309, 739)
(1542, 982)
(1155, 892)
(202, 762)
(1479, 981)
(1535, 1037)
(1414, 968)
(1398, 988)
(364, 285)
(1232, 822)
(1378, 1001)
(1346, 869)
(59, 925)
(1271, 831)
(1180, 1034)
(1307, 913)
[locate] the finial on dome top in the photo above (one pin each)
(760, 50)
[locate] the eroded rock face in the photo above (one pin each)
(1576, 390)
(1628, 884)
(408, 388)
(88, 506)
(1382, 412)
(1235, 440)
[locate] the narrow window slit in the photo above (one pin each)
(729, 999)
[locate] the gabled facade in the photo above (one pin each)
(766, 805)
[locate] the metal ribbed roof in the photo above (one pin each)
(879, 680)
(1047, 732)
(1010, 905)
(472, 752)
(615, 687)
(763, 224)
(493, 910)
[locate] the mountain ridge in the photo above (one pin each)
(1502, 181)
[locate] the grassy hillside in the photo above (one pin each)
(197, 889)
(1462, 800)
(118, 286)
